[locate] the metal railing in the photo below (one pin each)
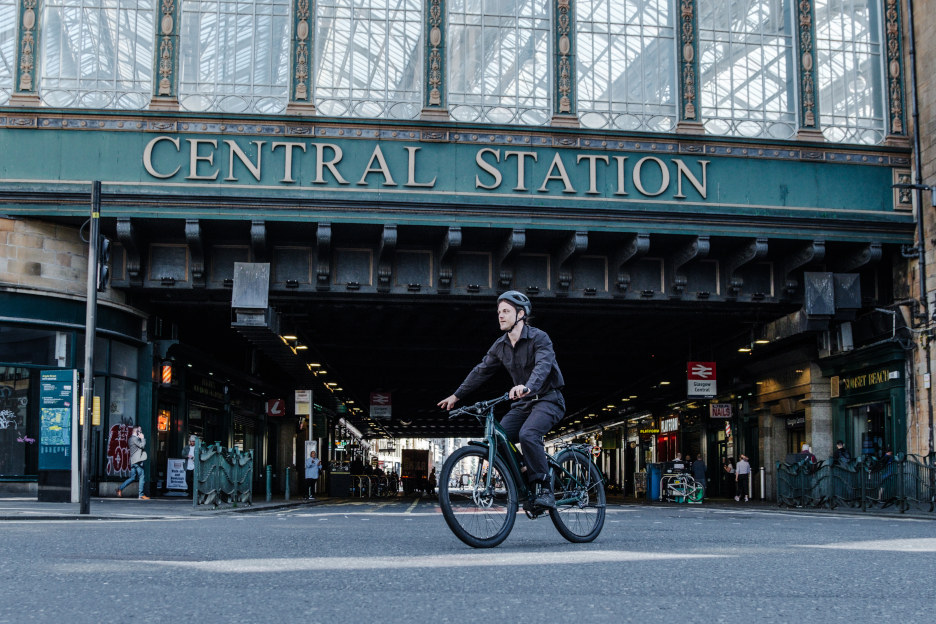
(222, 476)
(904, 482)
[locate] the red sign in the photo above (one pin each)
(701, 380)
(701, 370)
(276, 408)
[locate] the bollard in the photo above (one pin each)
(269, 483)
(287, 482)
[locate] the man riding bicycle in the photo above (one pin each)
(527, 354)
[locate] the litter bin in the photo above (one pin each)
(654, 474)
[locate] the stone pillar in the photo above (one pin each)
(819, 413)
(302, 53)
(565, 113)
(166, 83)
(806, 74)
(26, 78)
(687, 37)
(772, 448)
(435, 100)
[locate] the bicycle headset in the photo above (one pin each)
(519, 301)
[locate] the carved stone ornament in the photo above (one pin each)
(302, 50)
(435, 61)
(807, 81)
(687, 32)
(894, 84)
(27, 60)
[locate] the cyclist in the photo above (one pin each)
(527, 354)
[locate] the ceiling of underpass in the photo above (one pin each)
(419, 350)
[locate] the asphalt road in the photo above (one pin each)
(397, 562)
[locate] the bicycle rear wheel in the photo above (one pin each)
(479, 517)
(580, 497)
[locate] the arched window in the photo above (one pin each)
(850, 68)
(368, 58)
(498, 61)
(746, 64)
(234, 56)
(97, 53)
(7, 49)
(625, 64)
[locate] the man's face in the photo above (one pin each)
(506, 315)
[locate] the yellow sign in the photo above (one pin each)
(95, 412)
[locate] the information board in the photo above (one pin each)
(58, 397)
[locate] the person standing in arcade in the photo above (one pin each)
(527, 354)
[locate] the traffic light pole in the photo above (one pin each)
(87, 388)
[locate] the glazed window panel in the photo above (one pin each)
(850, 69)
(234, 56)
(498, 58)
(747, 76)
(97, 53)
(368, 58)
(7, 49)
(626, 65)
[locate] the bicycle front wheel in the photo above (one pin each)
(580, 497)
(481, 517)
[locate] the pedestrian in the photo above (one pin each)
(742, 474)
(432, 481)
(527, 354)
(841, 454)
(728, 475)
(313, 468)
(698, 472)
(189, 453)
(137, 446)
(809, 458)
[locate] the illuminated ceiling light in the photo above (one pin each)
(633, 396)
(664, 383)
(762, 341)
(301, 347)
(744, 350)
(331, 383)
(289, 337)
(314, 365)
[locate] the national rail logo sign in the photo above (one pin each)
(701, 380)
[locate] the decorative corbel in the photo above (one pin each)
(450, 245)
(323, 238)
(127, 236)
(576, 244)
(636, 245)
(812, 252)
(864, 256)
(385, 254)
(754, 249)
(193, 236)
(697, 248)
(258, 239)
(512, 245)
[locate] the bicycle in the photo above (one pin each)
(681, 488)
(481, 485)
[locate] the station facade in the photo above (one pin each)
(648, 168)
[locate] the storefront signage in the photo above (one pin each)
(175, 474)
(867, 380)
(649, 430)
(720, 410)
(701, 380)
(669, 424)
(58, 399)
(797, 422)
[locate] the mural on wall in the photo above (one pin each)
(13, 438)
(118, 453)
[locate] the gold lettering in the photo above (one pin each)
(148, 157)
(489, 168)
(194, 157)
(592, 173)
(288, 167)
(411, 169)
(683, 170)
(663, 171)
(563, 176)
(235, 150)
(381, 169)
(521, 171)
(321, 163)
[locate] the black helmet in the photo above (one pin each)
(518, 300)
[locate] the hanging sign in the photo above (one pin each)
(701, 380)
(719, 410)
(303, 402)
(276, 408)
(380, 405)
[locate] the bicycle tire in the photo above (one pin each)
(479, 519)
(579, 482)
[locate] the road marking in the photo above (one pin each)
(413, 506)
(922, 544)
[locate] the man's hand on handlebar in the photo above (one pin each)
(518, 392)
(448, 403)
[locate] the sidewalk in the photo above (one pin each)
(14, 507)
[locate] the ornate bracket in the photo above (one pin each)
(450, 245)
(574, 245)
(695, 249)
(126, 234)
(867, 255)
(385, 254)
(636, 246)
(813, 252)
(753, 250)
(258, 239)
(193, 236)
(323, 238)
(513, 244)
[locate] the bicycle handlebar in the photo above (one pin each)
(480, 407)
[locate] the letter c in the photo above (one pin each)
(148, 157)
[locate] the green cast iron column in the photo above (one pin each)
(805, 42)
(435, 102)
(26, 80)
(687, 38)
(166, 83)
(301, 90)
(565, 111)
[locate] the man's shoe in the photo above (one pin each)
(119, 493)
(144, 498)
(545, 498)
